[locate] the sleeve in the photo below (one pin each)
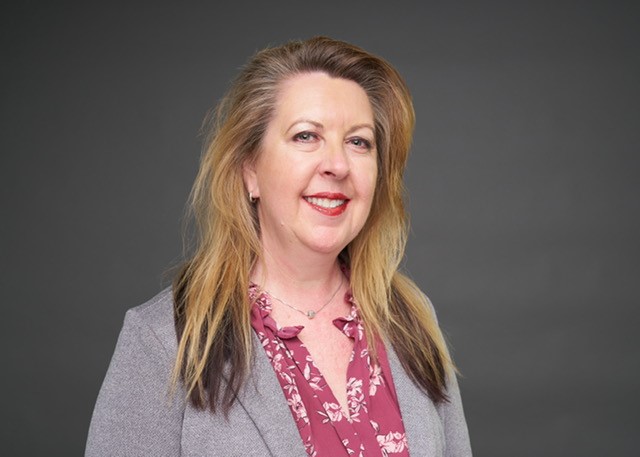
(135, 415)
(456, 434)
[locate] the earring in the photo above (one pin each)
(252, 199)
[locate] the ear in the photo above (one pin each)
(250, 177)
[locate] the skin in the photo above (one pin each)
(314, 178)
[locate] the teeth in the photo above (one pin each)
(324, 202)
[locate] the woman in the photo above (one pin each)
(289, 329)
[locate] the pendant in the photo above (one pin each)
(311, 314)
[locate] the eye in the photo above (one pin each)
(305, 137)
(361, 143)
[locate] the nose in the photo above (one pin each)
(335, 163)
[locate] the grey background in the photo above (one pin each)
(523, 192)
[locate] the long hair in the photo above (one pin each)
(212, 309)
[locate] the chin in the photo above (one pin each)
(328, 245)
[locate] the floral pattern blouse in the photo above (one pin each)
(374, 423)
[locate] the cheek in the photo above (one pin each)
(369, 180)
(269, 176)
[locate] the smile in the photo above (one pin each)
(328, 204)
(324, 202)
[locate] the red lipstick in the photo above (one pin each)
(325, 202)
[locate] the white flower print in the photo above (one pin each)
(392, 442)
(288, 383)
(311, 374)
(311, 450)
(345, 443)
(277, 362)
(332, 413)
(355, 398)
(354, 387)
(278, 344)
(375, 379)
(295, 403)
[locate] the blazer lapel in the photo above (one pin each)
(420, 417)
(263, 400)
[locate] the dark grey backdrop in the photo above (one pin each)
(523, 193)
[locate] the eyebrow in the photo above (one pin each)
(303, 121)
(319, 125)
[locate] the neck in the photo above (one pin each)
(296, 276)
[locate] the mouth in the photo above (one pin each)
(331, 204)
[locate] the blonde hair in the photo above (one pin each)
(212, 309)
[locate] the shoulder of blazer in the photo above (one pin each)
(259, 423)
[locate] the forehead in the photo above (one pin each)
(321, 97)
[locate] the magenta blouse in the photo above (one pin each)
(375, 424)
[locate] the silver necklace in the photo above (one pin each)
(310, 313)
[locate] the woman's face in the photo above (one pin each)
(316, 170)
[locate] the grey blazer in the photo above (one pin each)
(135, 415)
